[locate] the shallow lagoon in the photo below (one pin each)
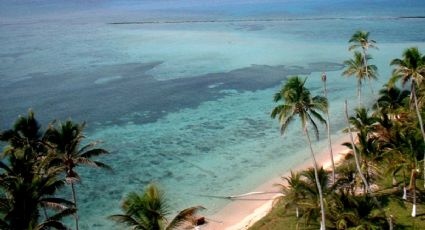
(186, 104)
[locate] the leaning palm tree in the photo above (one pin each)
(328, 128)
(411, 68)
(361, 39)
(359, 171)
(149, 210)
(297, 101)
(357, 67)
(67, 138)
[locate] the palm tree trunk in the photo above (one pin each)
(413, 189)
(367, 74)
(359, 171)
(319, 187)
(328, 126)
(74, 199)
(366, 184)
(394, 179)
(421, 124)
(359, 93)
(404, 185)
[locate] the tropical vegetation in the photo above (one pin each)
(149, 210)
(380, 176)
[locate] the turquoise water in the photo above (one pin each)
(186, 103)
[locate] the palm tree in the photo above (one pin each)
(357, 67)
(293, 192)
(355, 212)
(328, 128)
(359, 171)
(310, 195)
(67, 138)
(361, 39)
(411, 68)
(27, 182)
(362, 121)
(23, 198)
(299, 102)
(392, 100)
(148, 210)
(346, 171)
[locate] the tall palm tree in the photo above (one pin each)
(67, 138)
(308, 186)
(411, 68)
(328, 128)
(359, 171)
(148, 210)
(357, 67)
(297, 101)
(361, 39)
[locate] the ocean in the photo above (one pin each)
(180, 92)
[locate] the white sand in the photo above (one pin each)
(241, 214)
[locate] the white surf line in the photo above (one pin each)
(269, 20)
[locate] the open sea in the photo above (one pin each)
(180, 92)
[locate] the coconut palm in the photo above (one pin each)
(23, 198)
(360, 39)
(370, 154)
(346, 171)
(311, 195)
(357, 67)
(328, 128)
(293, 191)
(297, 101)
(359, 171)
(148, 210)
(27, 183)
(392, 100)
(355, 212)
(26, 133)
(67, 138)
(411, 68)
(362, 121)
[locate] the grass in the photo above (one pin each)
(279, 218)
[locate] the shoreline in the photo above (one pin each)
(240, 214)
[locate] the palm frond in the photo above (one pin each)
(94, 152)
(185, 216)
(127, 220)
(63, 213)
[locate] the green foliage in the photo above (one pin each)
(28, 182)
(390, 144)
(298, 102)
(148, 210)
(32, 169)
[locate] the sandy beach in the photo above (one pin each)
(243, 212)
